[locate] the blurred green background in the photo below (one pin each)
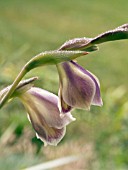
(29, 27)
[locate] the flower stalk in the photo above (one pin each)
(13, 87)
(45, 58)
(61, 55)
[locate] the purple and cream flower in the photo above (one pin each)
(78, 87)
(43, 113)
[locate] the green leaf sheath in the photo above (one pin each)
(118, 33)
(52, 57)
(46, 58)
(89, 44)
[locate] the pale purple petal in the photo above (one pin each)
(47, 105)
(97, 97)
(78, 88)
(49, 135)
(42, 107)
(63, 107)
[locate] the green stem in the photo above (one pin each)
(22, 73)
(13, 87)
(46, 58)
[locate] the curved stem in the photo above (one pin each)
(45, 58)
(14, 85)
(22, 73)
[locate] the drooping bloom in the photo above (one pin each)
(78, 87)
(43, 113)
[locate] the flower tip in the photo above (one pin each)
(33, 79)
(68, 114)
(101, 103)
(98, 103)
(88, 108)
(38, 137)
(72, 118)
(45, 144)
(85, 53)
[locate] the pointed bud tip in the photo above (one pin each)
(101, 104)
(88, 108)
(85, 53)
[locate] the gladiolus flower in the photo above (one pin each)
(43, 112)
(78, 87)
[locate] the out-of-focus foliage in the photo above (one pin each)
(101, 135)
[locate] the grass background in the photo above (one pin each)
(101, 135)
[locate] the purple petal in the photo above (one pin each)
(42, 107)
(47, 104)
(63, 107)
(49, 135)
(97, 97)
(78, 88)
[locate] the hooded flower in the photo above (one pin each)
(43, 113)
(78, 87)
